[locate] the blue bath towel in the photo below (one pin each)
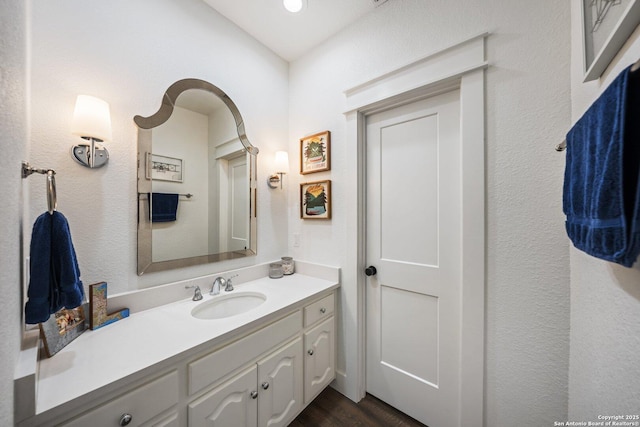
(54, 274)
(163, 207)
(601, 176)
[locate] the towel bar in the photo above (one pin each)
(188, 195)
(563, 145)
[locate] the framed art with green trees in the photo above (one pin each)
(315, 200)
(315, 153)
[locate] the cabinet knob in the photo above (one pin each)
(254, 394)
(310, 352)
(125, 419)
(323, 310)
(265, 385)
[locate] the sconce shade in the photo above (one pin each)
(91, 118)
(293, 6)
(282, 162)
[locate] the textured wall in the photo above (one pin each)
(13, 135)
(604, 375)
(528, 112)
(128, 53)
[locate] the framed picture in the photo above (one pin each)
(62, 328)
(164, 168)
(606, 26)
(315, 200)
(315, 153)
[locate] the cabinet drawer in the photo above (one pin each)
(319, 310)
(143, 403)
(170, 421)
(210, 368)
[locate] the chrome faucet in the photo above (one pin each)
(197, 294)
(215, 288)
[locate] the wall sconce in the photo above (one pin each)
(282, 166)
(91, 121)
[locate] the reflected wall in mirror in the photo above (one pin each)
(196, 180)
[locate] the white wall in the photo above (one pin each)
(185, 136)
(527, 93)
(122, 53)
(128, 53)
(13, 137)
(604, 375)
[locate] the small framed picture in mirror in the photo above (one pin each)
(164, 168)
(315, 153)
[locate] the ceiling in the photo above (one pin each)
(291, 35)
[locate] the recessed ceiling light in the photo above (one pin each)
(293, 6)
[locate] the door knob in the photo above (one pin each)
(370, 271)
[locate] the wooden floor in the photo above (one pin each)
(332, 409)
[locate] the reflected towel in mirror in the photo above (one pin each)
(163, 207)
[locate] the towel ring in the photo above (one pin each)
(52, 200)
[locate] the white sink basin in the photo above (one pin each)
(228, 305)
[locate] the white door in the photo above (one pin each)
(414, 241)
(238, 204)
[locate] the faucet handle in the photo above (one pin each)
(197, 293)
(229, 286)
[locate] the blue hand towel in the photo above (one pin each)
(631, 168)
(601, 175)
(54, 273)
(164, 207)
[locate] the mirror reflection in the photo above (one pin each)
(195, 183)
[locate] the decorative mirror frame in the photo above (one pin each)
(145, 126)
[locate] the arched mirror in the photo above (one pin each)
(196, 180)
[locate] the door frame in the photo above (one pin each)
(461, 66)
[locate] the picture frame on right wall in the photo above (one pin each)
(606, 26)
(315, 153)
(315, 200)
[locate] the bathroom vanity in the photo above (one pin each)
(165, 367)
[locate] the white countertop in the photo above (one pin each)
(101, 357)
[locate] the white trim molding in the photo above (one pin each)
(461, 66)
(445, 65)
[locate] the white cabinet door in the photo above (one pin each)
(232, 404)
(319, 367)
(280, 386)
